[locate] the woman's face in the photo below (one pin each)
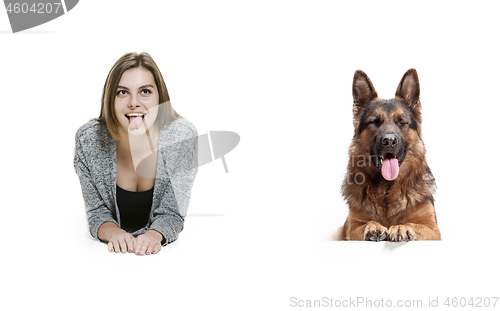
(136, 95)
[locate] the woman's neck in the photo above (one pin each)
(137, 147)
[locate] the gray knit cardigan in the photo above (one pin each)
(95, 165)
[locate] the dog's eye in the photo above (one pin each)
(374, 121)
(402, 123)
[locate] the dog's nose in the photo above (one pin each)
(390, 141)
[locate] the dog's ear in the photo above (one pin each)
(409, 89)
(362, 89)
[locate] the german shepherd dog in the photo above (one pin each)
(388, 185)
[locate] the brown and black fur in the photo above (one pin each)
(397, 210)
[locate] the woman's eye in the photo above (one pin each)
(146, 91)
(121, 92)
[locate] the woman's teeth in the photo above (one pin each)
(135, 114)
(132, 115)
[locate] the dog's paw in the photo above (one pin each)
(375, 232)
(401, 233)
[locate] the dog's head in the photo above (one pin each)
(388, 128)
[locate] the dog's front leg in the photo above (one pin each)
(375, 232)
(413, 232)
(419, 224)
(365, 231)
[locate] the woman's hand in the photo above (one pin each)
(121, 242)
(118, 239)
(148, 243)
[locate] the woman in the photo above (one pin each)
(137, 162)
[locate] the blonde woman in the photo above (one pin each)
(137, 162)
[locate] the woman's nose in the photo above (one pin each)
(134, 101)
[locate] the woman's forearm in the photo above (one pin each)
(107, 230)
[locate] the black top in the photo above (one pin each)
(134, 208)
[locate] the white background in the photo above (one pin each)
(280, 75)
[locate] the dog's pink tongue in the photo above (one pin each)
(390, 167)
(135, 122)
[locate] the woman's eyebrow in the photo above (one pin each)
(140, 87)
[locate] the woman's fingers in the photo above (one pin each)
(110, 247)
(123, 245)
(145, 246)
(130, 243)
(156, 248)
(153, 248)
(138, 245)
(142, 245)
(148, 243)
(116, 246)
(150, 248)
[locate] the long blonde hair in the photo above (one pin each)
(166, 114)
